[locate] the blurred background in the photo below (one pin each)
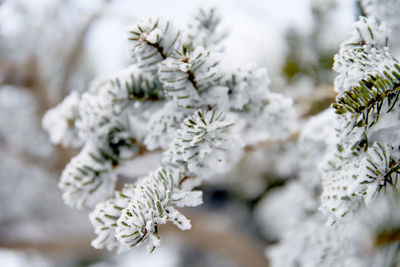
(50, 47)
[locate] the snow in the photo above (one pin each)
(59, 122)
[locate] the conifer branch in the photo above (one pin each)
(174, 97)
(365, 101)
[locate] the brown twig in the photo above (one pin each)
(160, 50)
(268, 143)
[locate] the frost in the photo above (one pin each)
(359, 181)
(386, 11)
(104, 219)
(95, 112)
(87, 179)
(60, 121)
(278, 117)
(188, 199)
(367, 31)
(204, 144)
(239, 80)
(158, 193)
(188, 76)
(363, 162)
(163, 126)
(266, 115)
(152, 41)
(342, 193)
(365, 53)
(154, 36)
(122, 221)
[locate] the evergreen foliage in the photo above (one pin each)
(354, 165)
(178, 96)
(180, 101)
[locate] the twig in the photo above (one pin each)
(268, 143)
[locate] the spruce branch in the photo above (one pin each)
(153, 40)
(383, 168)
(135, 86)
(188, 75)
(175, 98)
(153, 204)
(204, 143)
(88, 178)
(365, 53)
(105, 216)
(60, 122)
(368, 80)
(163, 126)
(365, 101)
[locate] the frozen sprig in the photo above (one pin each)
(133, 85)
(365, 53)
(351, 181)
(342, 192)
(152, 205)
(107, 107)
(98, 113)
(368, 80)
(105, 216)
(188, 75)
(104, 125)
(163, 126)
(385, 11)
(153, 40)
(131, 217)
(60, 122)
(177, 98)
(373, 95)
(361, 164)
(383, 171)
(88, 178)
(205, 144)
